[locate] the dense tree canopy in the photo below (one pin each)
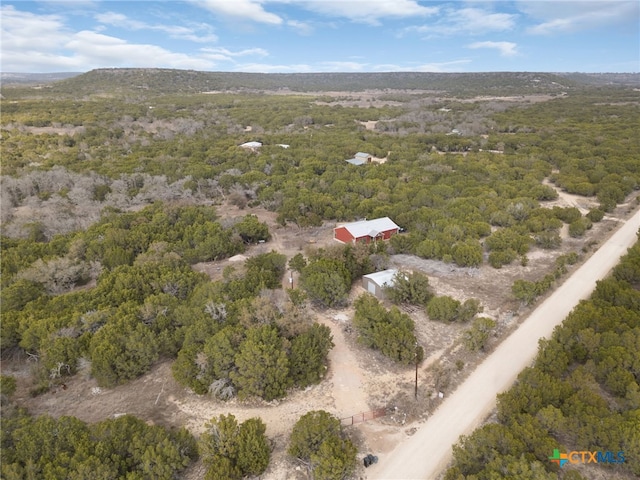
(186, 148)
(125, 447)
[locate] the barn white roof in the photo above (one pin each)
(383, 278)
(370, 228)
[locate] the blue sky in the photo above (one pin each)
(322, 35)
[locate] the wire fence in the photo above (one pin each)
(364, 416)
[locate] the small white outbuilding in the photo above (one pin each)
(251, 145)
(375, 283)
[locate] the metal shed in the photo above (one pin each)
(375, 283)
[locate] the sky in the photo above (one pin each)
(288, 36)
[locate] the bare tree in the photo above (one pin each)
(57, 275)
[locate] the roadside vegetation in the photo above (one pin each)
(581, 394)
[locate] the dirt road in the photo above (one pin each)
(425, 454)
(345, 375)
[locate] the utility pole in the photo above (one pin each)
(416, 354)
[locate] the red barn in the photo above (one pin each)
(366, 230)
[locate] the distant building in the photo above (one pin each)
(251, 145)
(366, 231)
(356, 161)
(360, 158)
(375, 283)
(364, 156)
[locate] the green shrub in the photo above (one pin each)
(327, 282)
(233, 451)
(391, 332)
(318, 439)
(476, 337)
(443, 309)
(7, 385)
(579, 227)
(595, 215)
(409, 288)
(500, 258)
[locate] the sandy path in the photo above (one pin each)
(345, 374)
(584, 204)
(426, 454)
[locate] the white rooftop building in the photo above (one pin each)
(375, 283)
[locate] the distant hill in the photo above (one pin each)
(163, 81)
(631, 79)
(159, 81)
(8, 78)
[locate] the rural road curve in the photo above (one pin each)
(425, 454)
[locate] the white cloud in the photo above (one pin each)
(552, 26)
(443, 67)
(268, 68)
(223, 54)
(364, 11)
(96, 50)
(26, 31)
(73, 3)
(329, 66)
(480, 21)
(120, 20)
(435, 67)
(174, 31)
(195, 38)
(44, 43)
(342, 66)
(550, 9)
(369, 11)
(506, 49)
(28, 39)
(338, 66)
(240, 53)
(576, 15)
(466, 21)
(246, 9)
(302, 28)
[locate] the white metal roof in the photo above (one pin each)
(383, 278)
(251, 145)
(370, 227)
(363, 155)
(356, 161)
